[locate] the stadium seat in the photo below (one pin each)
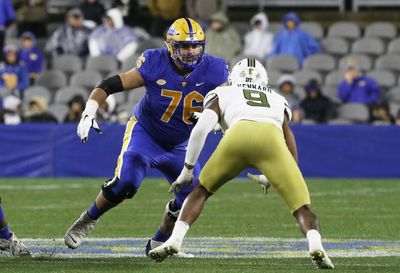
(354, 112)
(65, 94)
(135, 95)
(385, 79)
(334, 78)
(388, 62)
(346, 30)
(120, 97)
(67, 63)
(314, 28)
(330, 91)
(87, 79)
(393, 95)
(105, 64)
(127, 107)
(364, 61)
(308, 122)
(338, 121)
(273, 76)
(52, 79)
(368, 46)
(37, 90)
(303, 77)
(300, 92)
(274, 27)
(52, 26)
(130, 62)
(383, 30)
(285, 63)
(394, 46)
(153, 42)
(59, 111)
(241, 27)
(335, 46)
(320, 62)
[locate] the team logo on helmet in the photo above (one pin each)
(183, 33)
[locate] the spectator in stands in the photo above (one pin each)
(76, 106)
(7, 16)
(70, 38)
(380, 114)
(222, 39)
(12, 110)
(316, 106)
(37, 111)
(202, 10)
(286, 84)
(357, 88)
(13, 75)
(30, 56)
(113, 38)
(293, 40)
(164, 14)
(258, 42)
(33, 17)
(93, 12)
(107, 111)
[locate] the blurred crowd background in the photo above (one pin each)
(335, 61)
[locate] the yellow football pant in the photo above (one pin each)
(262, 146)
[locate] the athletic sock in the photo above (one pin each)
(5, 233)
(314, 240)
(179, 232)
(160, 236)
(94, 212)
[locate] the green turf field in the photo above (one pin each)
(348, 209)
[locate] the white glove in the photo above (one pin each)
(261, 180)
(87, 121)
(217, 128)
(185, 178)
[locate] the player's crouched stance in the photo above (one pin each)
(9, 243)
(255, 120)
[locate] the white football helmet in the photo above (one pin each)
(249, 70)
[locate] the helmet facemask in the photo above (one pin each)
(188, 60)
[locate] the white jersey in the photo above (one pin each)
(249, 101)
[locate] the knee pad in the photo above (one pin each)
(172, 210)
(111, 196)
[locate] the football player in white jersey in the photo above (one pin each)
(255, 121)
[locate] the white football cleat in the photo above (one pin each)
(14, 246)
(151, 244)
(321, 260)
(82, 227)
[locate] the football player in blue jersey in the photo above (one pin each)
(176, 78)
(9, 243)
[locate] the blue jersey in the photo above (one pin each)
(170, 98)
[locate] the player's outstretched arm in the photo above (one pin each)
(110, 85)
(206, 123)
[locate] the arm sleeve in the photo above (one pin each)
(374, 92)
(288, 112)
(23, 79)
(206, 124)
(143, 64)
(344, 90)
(225, 74)
(312, 45)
